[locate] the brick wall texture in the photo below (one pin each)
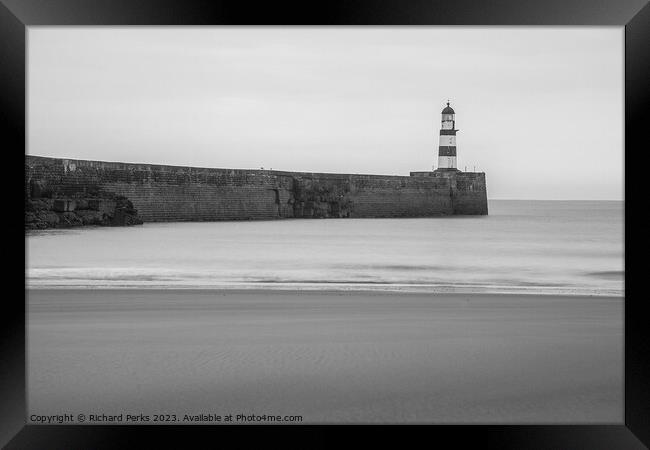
(171, 193)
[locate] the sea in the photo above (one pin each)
(522, 246)
(333, 320)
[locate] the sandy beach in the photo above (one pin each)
(330, 357)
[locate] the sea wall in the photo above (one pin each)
(469, 194)
(159, 193)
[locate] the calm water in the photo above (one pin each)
(568, 247)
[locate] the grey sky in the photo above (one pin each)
(540, 110)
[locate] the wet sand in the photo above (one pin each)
(330, 357)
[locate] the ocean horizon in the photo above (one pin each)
(560, 247)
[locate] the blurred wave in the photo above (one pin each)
(550, 247)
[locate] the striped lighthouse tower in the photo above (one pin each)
(447, 148)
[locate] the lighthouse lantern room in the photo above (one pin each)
(447, 147)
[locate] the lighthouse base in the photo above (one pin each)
(437, 173)
(468, 193)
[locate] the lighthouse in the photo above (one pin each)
(447, 147)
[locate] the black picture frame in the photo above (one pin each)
(16, 15)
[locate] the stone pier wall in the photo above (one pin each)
(161, 193)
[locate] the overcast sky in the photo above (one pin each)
(540, 110)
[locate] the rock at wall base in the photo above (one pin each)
(41, 220)
(89, 217)
(124, 218)
(43, 214)
(69, 219)
(63, 205)
(125, 214)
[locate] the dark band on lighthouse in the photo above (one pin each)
(447, 145)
